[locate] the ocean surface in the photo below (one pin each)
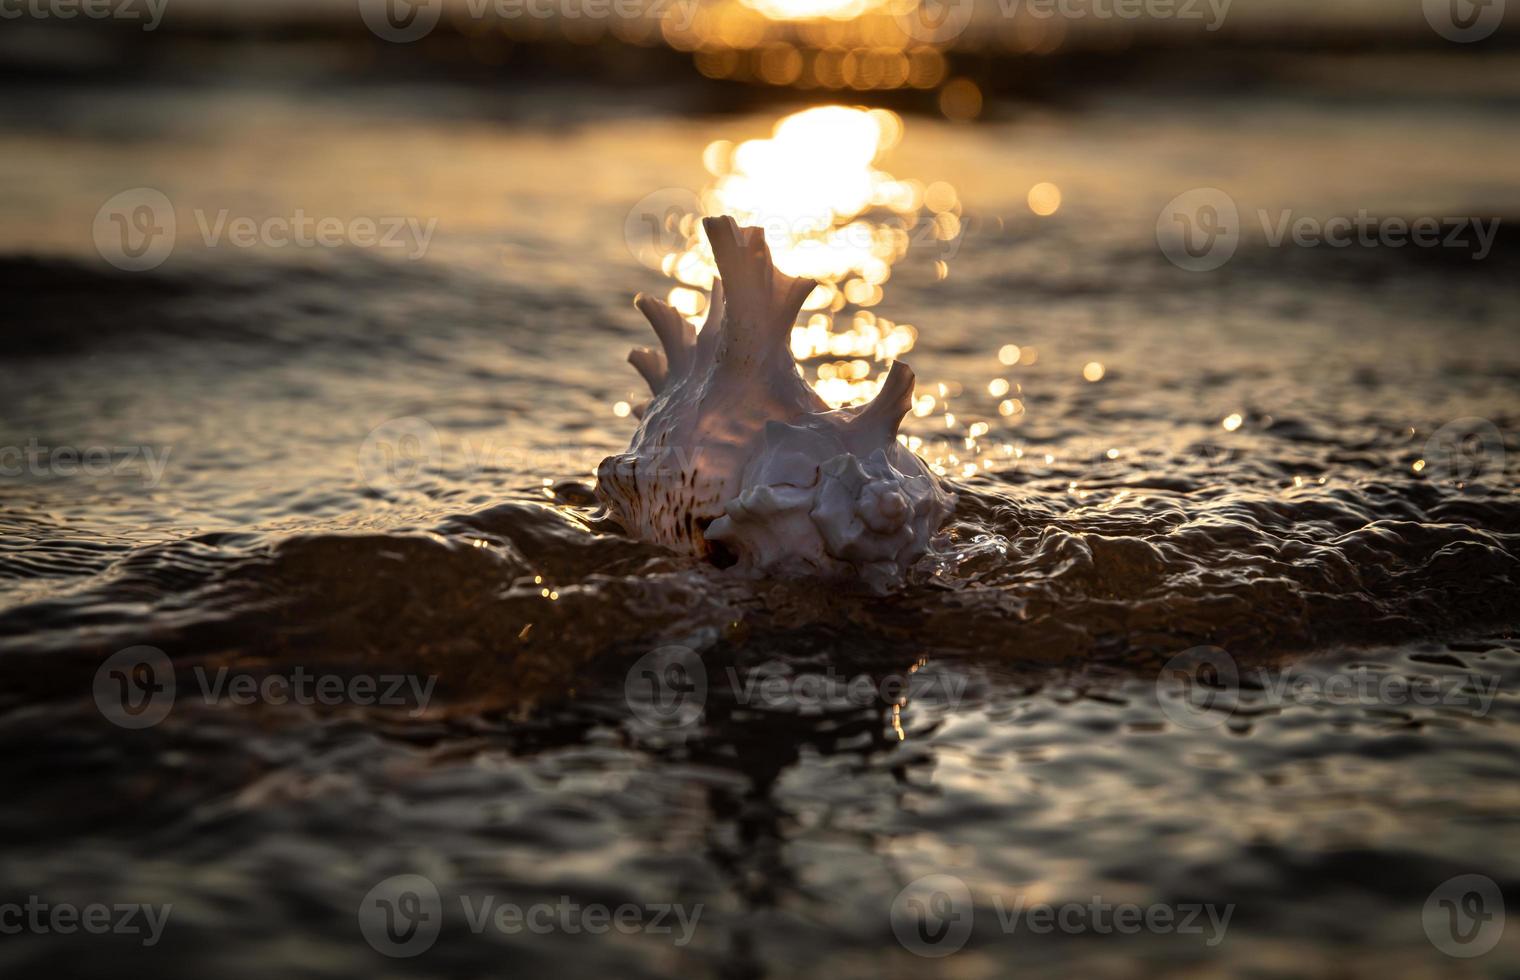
(1297, 469)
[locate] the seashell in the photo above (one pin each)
(738, 460)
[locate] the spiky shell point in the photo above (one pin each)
(736, 459)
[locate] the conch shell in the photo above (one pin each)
(737, 460)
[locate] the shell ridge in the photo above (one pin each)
(735, 448)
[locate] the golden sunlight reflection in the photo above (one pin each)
(960, 100)
(808, 9)
(1044, 199)
(828, 44)
(830, 214)
(861, 45)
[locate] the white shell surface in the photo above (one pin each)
(737, 459)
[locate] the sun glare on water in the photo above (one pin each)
(809, 9)
(830, 214)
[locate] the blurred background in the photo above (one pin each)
(317, 325)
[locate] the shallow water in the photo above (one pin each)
(1262, 469)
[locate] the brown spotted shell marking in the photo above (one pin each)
(732, 430)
